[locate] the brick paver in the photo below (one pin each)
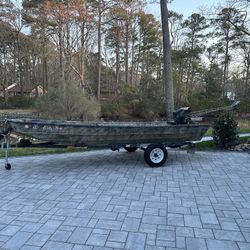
(109, 200)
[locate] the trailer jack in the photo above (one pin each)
(5, 147)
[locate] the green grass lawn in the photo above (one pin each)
(206, 145)
(209, 132)
(244, 130)
(211, 145)
(39, 151)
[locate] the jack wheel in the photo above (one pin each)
(7, 166)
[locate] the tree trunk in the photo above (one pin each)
(189, 67)
(26, 72)
(138, 59)
(4, 85)
(44, 73)
(33, 75)
(168, 75)
(117, 65)
(225, 69)
(99, 51)
(247, 79)
(126, 52)
(82, 56)
(19, 62)
(14, 65)
(20, 76)
(61, 59)
(117, 58)
(68, 55)
(132, 61)
(247, 69)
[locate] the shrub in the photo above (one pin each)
(225, 132)
(151, 102)
(149, 109)
(113, 110)
(74, 104)
(144, 101)
(130, 97)
(17, 102)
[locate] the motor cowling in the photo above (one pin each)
(181, 115)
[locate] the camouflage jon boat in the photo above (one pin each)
(108, 133)
(129, 135)
(174, 134)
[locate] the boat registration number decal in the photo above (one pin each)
(44, 128)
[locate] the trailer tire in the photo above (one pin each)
(7, 166)
(155, 155)
(130, 149)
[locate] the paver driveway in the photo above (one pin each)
(110, 200)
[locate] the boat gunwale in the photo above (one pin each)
(103, 123)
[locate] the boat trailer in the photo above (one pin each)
(151, 137)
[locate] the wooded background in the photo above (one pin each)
(100, 57)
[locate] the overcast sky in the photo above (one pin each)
(185, 7)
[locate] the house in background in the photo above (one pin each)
(231, 95)
(28, 91)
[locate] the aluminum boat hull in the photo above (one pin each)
(108, 133)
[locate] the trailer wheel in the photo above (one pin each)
(155, 155)
(8, 166)
(131, 149)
